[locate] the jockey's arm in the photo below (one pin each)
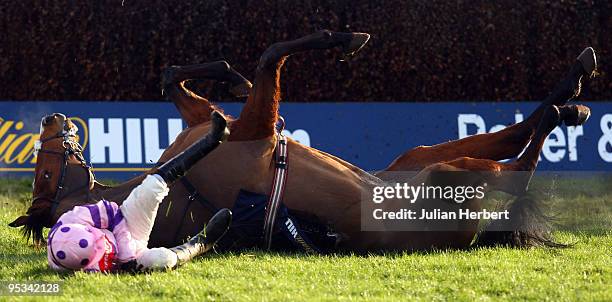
(101, 215)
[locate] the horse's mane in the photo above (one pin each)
(38, 215)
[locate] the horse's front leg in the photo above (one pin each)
(260, 113)
(193, 108)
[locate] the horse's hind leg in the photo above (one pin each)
(527, 162)
(511, 178)
(509, 142)
(497, 176)
(193, 108)
(260, 113)
(503, 144)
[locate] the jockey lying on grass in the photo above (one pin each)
(107, 237)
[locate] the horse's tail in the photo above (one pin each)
(528, 226)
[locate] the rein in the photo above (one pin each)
(71, 147)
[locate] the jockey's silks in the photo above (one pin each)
(98, 237)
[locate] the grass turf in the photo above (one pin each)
(582, 272)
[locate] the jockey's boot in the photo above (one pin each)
(569, 88)
(205, 240)
(176, 167)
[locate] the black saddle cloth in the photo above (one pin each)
(293, 231)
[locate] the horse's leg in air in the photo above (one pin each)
(511, 178)
(193, 108)
(260, 113)
(507, 143)
(571, 115)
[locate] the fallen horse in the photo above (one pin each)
(320, 190)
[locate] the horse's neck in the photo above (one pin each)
(116, 193)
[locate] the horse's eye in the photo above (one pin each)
(47, 175)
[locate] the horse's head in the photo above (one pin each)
(60, 172)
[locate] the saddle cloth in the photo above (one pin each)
(291, 233)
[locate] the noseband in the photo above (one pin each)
(71, 147)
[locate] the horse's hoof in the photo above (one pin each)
(240, 86)
(168, 76)
(588, 59)
(241, 90)
(358, 41)
(571, 86)
(574, 115)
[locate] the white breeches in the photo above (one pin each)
(140, 208)
(139, 211)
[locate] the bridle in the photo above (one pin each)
(71, 147)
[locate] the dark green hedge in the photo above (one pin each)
(419, 51)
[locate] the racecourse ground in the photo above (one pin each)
(582, 272)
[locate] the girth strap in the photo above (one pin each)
(194, 195)
(278, 188)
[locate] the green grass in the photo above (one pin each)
(582, 272)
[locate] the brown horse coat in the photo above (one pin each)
(248, 165)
